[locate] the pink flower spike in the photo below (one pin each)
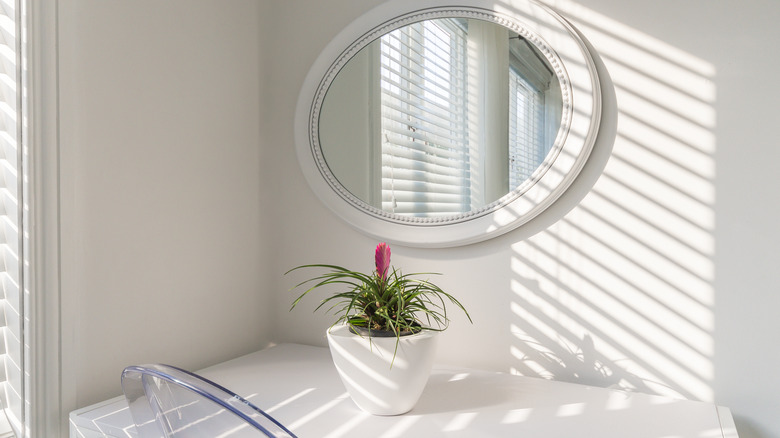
(382, 259)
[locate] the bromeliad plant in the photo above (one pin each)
(383, 303)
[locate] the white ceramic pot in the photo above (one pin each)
(364, 365)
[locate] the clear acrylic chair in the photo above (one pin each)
(168, 402)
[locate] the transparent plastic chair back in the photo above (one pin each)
(168, 402)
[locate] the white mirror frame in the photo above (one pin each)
(556, 38)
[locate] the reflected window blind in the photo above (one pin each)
(423, 94)
(11, 374)
(526, 128)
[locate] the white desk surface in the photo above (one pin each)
(299, 386)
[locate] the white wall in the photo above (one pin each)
(346, 127)
(163, 221)
(180, 183)
(662, 278)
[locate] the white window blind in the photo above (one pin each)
(423, 116)
(527, 145)
(11, 372)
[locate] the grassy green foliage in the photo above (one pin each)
(397, 303)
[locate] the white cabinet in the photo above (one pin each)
(299, 386)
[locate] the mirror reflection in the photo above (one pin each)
(440, 117)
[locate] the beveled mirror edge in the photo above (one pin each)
(508, 214)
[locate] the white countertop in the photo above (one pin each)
(299, 386)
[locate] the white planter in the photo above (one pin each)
(365, 368)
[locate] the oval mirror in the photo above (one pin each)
(447, 125)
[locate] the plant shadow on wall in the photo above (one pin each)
(619, 292)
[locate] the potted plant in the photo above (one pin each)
(384, 338)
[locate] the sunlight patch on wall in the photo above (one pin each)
(620, 292)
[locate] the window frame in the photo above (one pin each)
(45, 332)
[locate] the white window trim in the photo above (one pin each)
(46, 415)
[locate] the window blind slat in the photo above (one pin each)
(420, 172)
(420, 123)
(419, 147)
(419, 83)
(420, 99)
(412, 185)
